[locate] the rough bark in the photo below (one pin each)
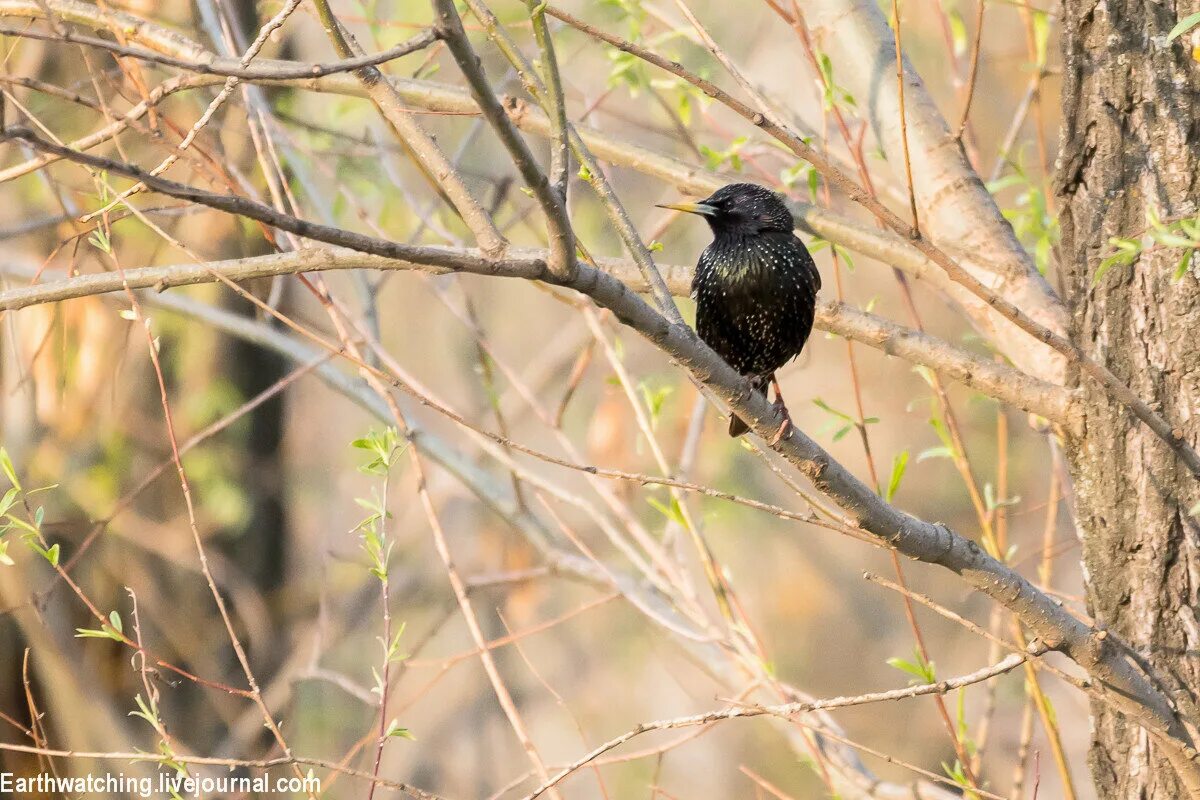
(1131, 142)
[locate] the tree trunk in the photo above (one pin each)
(1130, 144)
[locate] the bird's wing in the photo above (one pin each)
(812, 266)
(716, 316)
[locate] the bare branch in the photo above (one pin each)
(853, 779)
(982, 374)
(232, 67)
(594, 174)
(560, 166)
(1007, 664)
(432, 162)
(434, 97)
(558, 225)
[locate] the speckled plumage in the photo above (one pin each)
(755, 286)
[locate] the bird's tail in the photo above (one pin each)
(738, 426)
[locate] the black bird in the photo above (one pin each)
(755, 287)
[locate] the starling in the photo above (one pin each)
(755, 287)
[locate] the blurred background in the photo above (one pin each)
(275, 485)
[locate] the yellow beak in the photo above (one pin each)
(702, 209)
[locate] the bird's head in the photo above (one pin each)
(744, 208)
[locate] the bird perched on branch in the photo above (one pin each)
(755, 287)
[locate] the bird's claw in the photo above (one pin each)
(785, 427)
(784, 432)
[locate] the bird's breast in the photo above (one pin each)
(755, 300)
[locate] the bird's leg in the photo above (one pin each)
(785, 426)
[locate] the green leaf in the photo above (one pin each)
(1041, 36)
(821, 404)
(716, 159)
(114, 619)
(105, 631)
(958, 32)
(654, 399)
(992, 502)
(926, 374)
(960, 715)
(51, 554)
(919, 668)
(5, 558)
(673, 512)
(956, 773)
(1127, 251)
(1185, 24)
(99, 240)
(1169, 239)
(899, 465)
(1184, 262)
(395, 731)
(146, 712)
(7, 466)
(7, 501)
(790, 175)
(392, 652)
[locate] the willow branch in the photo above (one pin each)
(426, 153)
(591, 168)
(985, 375)
(232, 67)
(932, 543)
(439, 98)
(558, 225)
(560, 161)
(1003, 666)
(1172, 436)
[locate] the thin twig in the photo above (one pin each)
(1009, 663)
(553, 205)
(973, 75)
(229, 67)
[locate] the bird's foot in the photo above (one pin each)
(785, 427)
